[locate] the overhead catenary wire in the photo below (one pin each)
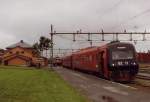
(110, 9)
(63, 37)
(132, 18)
(61, 34)
(102, 33)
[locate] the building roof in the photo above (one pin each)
(20, 44)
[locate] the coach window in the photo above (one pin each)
(87, 58)
(84, 58)
(93, 57)
(90, 58)
(81, 58)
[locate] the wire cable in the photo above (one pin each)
(132, 18)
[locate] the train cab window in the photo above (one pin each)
(119, 54)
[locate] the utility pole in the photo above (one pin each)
(91, 43)
(52, 46)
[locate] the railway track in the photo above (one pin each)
(143, 76)
(144, 71)
(142, 82)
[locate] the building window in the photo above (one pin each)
(22, 52)
(17, 52)
(10, 52)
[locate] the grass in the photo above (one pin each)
(20, 85)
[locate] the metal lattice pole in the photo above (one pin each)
(52, 46)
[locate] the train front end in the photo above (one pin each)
(123, 65)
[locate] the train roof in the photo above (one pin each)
(94, 48)
(67, 56)
(119, 43)
(88, 49)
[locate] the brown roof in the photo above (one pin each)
(20, 44)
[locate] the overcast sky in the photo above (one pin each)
(29, 19)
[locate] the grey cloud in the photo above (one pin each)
(28, 19)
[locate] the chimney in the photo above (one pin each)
(21, 41)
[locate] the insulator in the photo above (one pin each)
(89, 39)
(74, 39)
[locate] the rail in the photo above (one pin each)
(144, 76)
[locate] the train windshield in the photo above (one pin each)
(122, 54)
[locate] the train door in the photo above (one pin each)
(101, 63)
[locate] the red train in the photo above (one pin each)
(115, 61)
(57, 61)
(144, 57)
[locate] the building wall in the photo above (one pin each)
(20, 51)
(24, 52)
(17, 61)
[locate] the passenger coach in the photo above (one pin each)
(114, 61)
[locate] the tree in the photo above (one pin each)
(42, 44)
(47, 44)
(36, 48)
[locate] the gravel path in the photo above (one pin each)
(100, 90)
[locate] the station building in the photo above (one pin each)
(22, 54)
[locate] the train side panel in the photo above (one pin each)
(67, 62)
(85, 61)
(111, 61)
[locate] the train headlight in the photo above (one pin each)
(120, 63)
(134, 63)
(126, 63)
(113, 64)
